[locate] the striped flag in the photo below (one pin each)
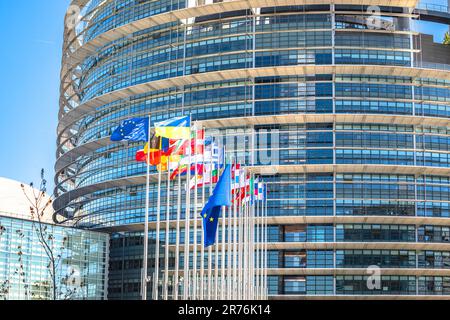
(176, 128)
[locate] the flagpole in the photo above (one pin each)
(177, 241)
(245, 241)
(194, 261)
(216, 265)
(223, 274)
(158, 229)
(222, 286)
(252, 238)
(187, 226)
(222, 261)
(249, 242)
(209, 297)
(202, 250)
(262, 243)
(249, 239)
(240, 243)
(235, 232)
(265, 244)
(259, 245)
(257, 242)
(146, 227)
(166, 260)
(229, 242)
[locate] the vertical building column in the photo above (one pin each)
(333, 31)
(107, 260)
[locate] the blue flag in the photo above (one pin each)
(221, 197)
(132, 130)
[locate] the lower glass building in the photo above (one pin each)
(343, 108)
(81, 259)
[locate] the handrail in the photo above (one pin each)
(433, 7)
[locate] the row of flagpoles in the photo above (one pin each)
(232, 262)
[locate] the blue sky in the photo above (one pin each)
(435, 29)
(30, 56)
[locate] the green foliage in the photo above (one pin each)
(447, 38)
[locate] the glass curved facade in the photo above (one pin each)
(355, 131)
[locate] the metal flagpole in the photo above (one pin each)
(258, 243)
(223, 255)
(187, 227)
(244, 240)
(261, 242)
(252, 240)
(247, 257)
(246, 244)
(166, 258)
(265, 245)
(158, 229)
(223, 274)
(147, 207)
(240, 237)
(202, 250)
(229, 243)
(177, 240)
(235, 235)
(194, 256)
(216, 264)
(262, 247)
(210, 278)
(209, 296)
(250, 252)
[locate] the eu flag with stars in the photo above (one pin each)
(221, 197)
(135, 130)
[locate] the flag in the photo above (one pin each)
(157, 148)
(198, 143)
(255, 190)
(208, 156)
(241, 187)
(249, 189)
(210, 214)
(211, 160)
(168, 162)
(178, 147)
(182, 170)
(260, 190)
(177, 128)
(209, 175)
(235, 187)
(141, 156)
(132, 130)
